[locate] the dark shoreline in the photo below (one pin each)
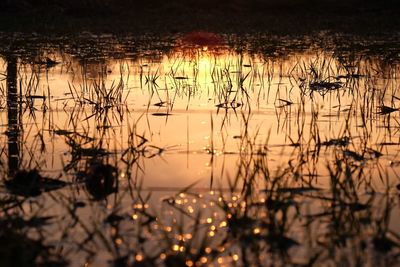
(172, 18)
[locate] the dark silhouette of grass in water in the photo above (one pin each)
(263, 212)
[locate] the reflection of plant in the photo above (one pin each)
(100, 179)
(26, 239)
(31, 183)
(24, 251)
(321, 193)
(82, 148)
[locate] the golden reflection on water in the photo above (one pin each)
(202, 117)
(197, 104)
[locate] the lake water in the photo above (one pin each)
(201, 150)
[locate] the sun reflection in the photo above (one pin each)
(203, 260)
(139, 257)
(188, 236)
(204, 62)
(190, 209)
(118, 241)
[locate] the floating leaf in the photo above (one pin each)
(160, 104)
(354, 155)
(180, 78)
(160, 114)
(386, 110)
(344, 141)
(325, 85)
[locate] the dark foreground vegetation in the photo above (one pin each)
(161, 16)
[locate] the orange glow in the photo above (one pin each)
(202, 39)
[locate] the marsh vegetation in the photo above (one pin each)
(199, 150)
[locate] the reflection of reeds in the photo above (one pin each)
(328, 192)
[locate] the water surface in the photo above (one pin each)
(247, 151)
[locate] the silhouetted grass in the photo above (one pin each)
(330, 192)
